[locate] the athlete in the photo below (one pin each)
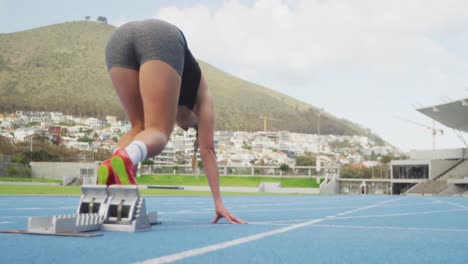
(159, 83)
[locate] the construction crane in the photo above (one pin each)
(265, 120)
(433, 129)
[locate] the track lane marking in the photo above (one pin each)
(218, 246)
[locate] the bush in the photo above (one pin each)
(27, 172)
(284, 167)
(12, 170)
(147, 162)
(305, 161)
(19, 159)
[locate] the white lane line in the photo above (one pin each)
(3, 223)
(254, 211)
(285, 221)
(454, 204)
(268, 223)
(243, 240)
(375, 205)
(37, 208)
(165, 220)
(395, 228)
(219, 246)
(9, 217)
(401, 214)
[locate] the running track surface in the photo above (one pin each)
(281, 229)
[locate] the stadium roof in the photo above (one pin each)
(453, 114)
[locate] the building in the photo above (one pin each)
(436, 172)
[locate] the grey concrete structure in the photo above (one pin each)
(65, 171)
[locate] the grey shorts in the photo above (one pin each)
(137, 42)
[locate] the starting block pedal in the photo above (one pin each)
(93, 200)
(127, 210)
(106, 208)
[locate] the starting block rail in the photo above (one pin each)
(101, 208)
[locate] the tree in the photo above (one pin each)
(181, 158)
(284, 168)
(305, 161)
(87, 18)
(350, 171)
(147, 162)
(102, 20)
(387, 158)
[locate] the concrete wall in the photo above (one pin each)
(436, 167)
(269, 186)
(460, 171)
(458, 153)
(59, 170)
(330, 187)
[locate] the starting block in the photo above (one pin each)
(127, 210)
(101, 208)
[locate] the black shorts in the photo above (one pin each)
(137, 42)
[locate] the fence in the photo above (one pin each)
(271, 171)
(10, 169)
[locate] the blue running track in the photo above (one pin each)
(281, 229)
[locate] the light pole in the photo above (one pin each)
(317, 161)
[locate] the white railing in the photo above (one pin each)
(258, 171)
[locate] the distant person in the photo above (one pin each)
(159, 83)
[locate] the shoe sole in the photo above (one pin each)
(120, 171)
(103, 174)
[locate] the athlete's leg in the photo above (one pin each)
(127, 88)
(160, 88)
(126, 84)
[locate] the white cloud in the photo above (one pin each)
(364, 60)
(302, 35)
(120, 21)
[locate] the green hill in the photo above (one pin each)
(61, 68)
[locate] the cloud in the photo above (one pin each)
(364, 60)
(304, 35)
(120, 21)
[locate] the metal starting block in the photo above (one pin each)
(106, 208)
(127, 210)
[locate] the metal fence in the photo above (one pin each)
(10, 169)
(258, 171)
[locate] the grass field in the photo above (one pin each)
(75, 190)
(173, 180)
(231, 181)
(20, 179)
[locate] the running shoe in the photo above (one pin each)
(123, 168)
(106, 174)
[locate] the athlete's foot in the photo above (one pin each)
(106, 174)
(123, 167)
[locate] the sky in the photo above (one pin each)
(372, 62)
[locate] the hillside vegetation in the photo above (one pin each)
(61, 68)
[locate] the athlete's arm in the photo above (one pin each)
(205, 112)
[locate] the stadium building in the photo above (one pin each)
(436, 172)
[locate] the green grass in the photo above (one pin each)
(176, 180)
(76, 190)
(39, 189)
(21, 179)
(230, 181)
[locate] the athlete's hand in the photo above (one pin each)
(222, 212)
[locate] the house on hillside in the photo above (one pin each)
(26, 132)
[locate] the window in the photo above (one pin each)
(87, 172)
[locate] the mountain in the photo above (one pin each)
(61, 68)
